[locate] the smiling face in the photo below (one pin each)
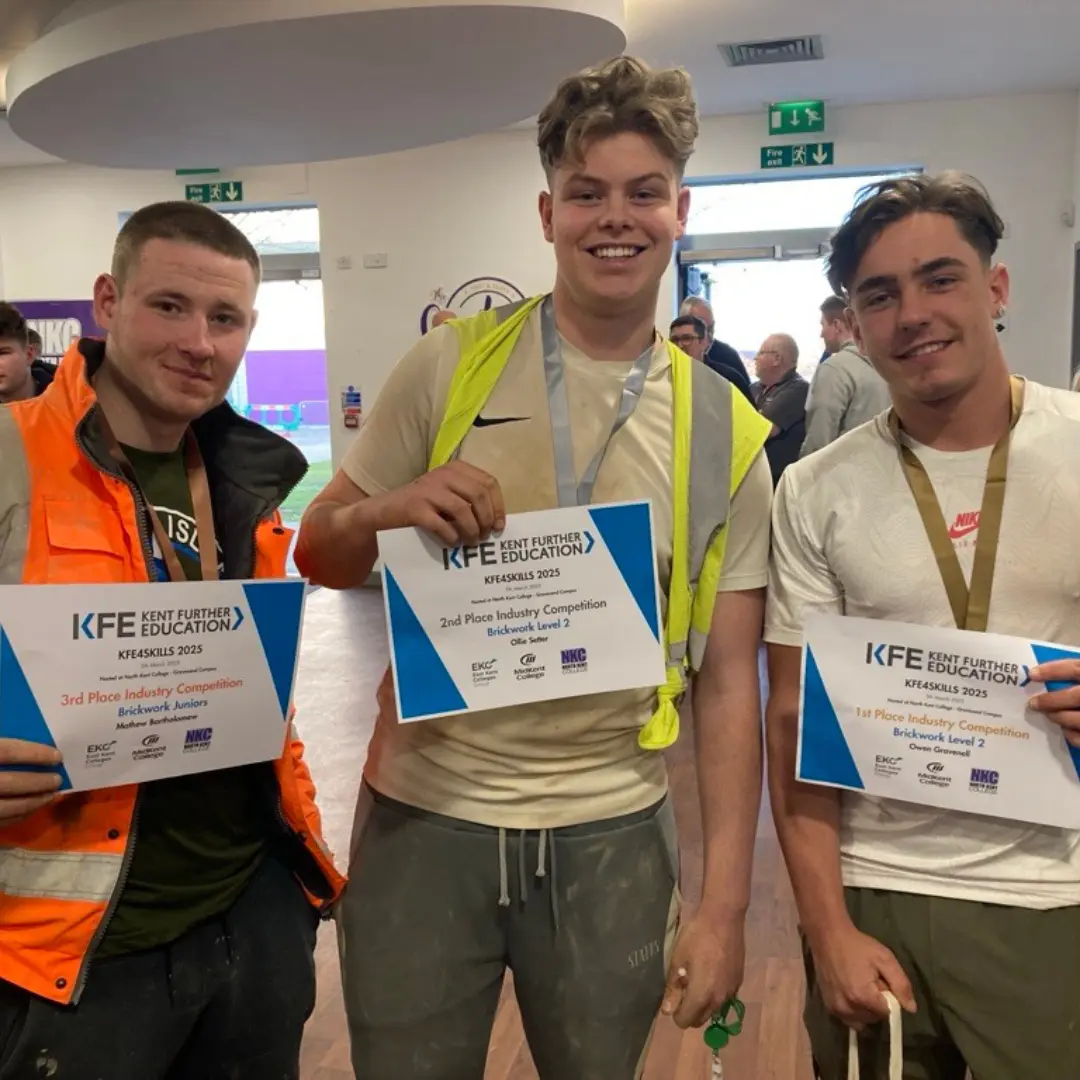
(925, 305)
(178, 329)
(614, 219)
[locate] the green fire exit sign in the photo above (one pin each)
(796, 117)
(799, 156)
(218, 192)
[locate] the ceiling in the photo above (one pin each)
(875, 51)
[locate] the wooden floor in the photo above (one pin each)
(343, 658)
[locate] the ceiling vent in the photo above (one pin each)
(780, 51)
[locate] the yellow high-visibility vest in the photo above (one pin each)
(716, 437)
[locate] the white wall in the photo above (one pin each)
(1076, 208)
(468, 209)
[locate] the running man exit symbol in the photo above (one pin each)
(797, 156)
(218, 192)
(796, 117)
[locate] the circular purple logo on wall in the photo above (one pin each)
(475, 295)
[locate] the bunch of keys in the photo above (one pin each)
(721, 1030)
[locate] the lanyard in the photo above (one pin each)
(200, 501)
(574, 492)
(970, 607)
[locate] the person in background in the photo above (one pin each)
(43, 371)
(971, 921)
(780, 396)
(689, 333)
(19, 376)
(441, 317)
(166, 930)
(462, 821)
(34, 340)
(720, 356)
(845, 391)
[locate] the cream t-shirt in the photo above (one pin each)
(848, 539)
(555, 763)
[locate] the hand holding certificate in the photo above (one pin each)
(137, 682)
(935, 716)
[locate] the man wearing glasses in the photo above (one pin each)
(692, 335)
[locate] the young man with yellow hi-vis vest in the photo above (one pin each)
(541, 837)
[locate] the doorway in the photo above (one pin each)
(282, 381)
(763, 284)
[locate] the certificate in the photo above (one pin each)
(560, 603)
(142, 681)
(934, 716)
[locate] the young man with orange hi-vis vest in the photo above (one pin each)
(541, 837)
(162, 930)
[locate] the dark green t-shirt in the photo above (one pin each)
(199, 838)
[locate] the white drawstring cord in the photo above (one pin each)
(896, 1043)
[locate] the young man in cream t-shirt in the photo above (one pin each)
(540, 837)
(975, 920)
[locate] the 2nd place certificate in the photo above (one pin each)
(142, 681)
(561, 603)
(934, 716)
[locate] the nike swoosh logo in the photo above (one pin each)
(959, 534)
(491, 421)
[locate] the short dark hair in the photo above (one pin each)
(12, 324)
(191, 223)
(880, 205)
(835, 309)
(695, 324)
(33, 338)
(623, 95)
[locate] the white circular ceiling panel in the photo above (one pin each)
(167, 83)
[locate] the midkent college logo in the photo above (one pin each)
(956, 665)
(97, 625)
(525, 549)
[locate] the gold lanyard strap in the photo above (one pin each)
(200, 501)
(970, 607)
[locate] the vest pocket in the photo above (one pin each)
(86, 543)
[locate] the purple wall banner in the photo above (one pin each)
(59, 322)
(286, 377)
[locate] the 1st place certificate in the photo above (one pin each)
(934, 716)
(142, 681)
(561, 603)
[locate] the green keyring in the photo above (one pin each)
(722, 1029)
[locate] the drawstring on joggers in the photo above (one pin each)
(504, 876)
(546, 840)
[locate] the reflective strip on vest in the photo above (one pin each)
(14, 499)
(715, 442)
(58, 875)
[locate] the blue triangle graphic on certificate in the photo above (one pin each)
(1043, 655)
(424, 685)
(619, 528)
(825, 754)
(276, 609)
(20, 715)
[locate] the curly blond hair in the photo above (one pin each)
(623, 95)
